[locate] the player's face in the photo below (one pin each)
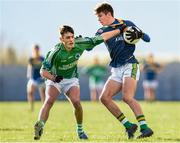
(68, 40)
(103, 18)
(150, 59)
(35, 52)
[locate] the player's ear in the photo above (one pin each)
(61, 39)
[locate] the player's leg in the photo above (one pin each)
(74, 97)
(153, 88)
(147, 94)
(147, 90)
(42, 92)
(128, 90)
(51, 95)
(30, 93)
(93, 94)
(111, 88)
(99, 89)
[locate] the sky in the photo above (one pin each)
(25, 22)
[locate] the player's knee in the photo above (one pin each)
(127, 99)
(30, 93)
(76, 104)
(104, 99)
(49, 102)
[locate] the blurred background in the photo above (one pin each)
(24, 23)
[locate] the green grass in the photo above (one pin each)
(16, 122)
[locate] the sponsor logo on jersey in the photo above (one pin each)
(100, 31)
(68, 66)
(77, 56)
(119, 38)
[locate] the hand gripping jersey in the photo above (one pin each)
(59, 61)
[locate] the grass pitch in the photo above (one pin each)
(16, 122)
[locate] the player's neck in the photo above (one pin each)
(68, 49)
(111, 20)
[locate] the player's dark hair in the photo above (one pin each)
(36, 47)
(64, 29)
(105, 8)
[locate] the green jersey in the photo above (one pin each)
(96, 73)
(59, 61)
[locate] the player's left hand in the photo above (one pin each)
(58, 78)
(136, 33)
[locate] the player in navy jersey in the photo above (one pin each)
(125, 70)
(35, 79)
(150, 83)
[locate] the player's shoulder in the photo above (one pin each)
(101, 30)
(129, 22)
(30, 60)
(42, 57)
(57, 47)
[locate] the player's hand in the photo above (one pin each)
(80, 36)
(58, 78)
(135, 33)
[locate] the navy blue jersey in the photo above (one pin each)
(150, 71)
(120, 51)
(36, 66)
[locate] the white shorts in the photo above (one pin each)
(35, 83)
(64, 85)
(128, 70)
(150, 84)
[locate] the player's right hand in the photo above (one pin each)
(58, 78)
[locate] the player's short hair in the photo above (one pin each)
(36, 47)
(64, 29)
(105, 8)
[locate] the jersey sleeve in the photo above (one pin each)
(48, 61)
(99, 31)
(89, 43)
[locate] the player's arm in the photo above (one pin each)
(46, 74)
(145, 37)
(47, 65)
(29, 68)
(29, 71)
(108, 35)
(89, 43)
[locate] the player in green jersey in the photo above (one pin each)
(96, 73)
(60, 70)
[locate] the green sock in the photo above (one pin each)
(124, 121)
(79, 128)
(42, 123)
(39, 124)
(142, 122)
